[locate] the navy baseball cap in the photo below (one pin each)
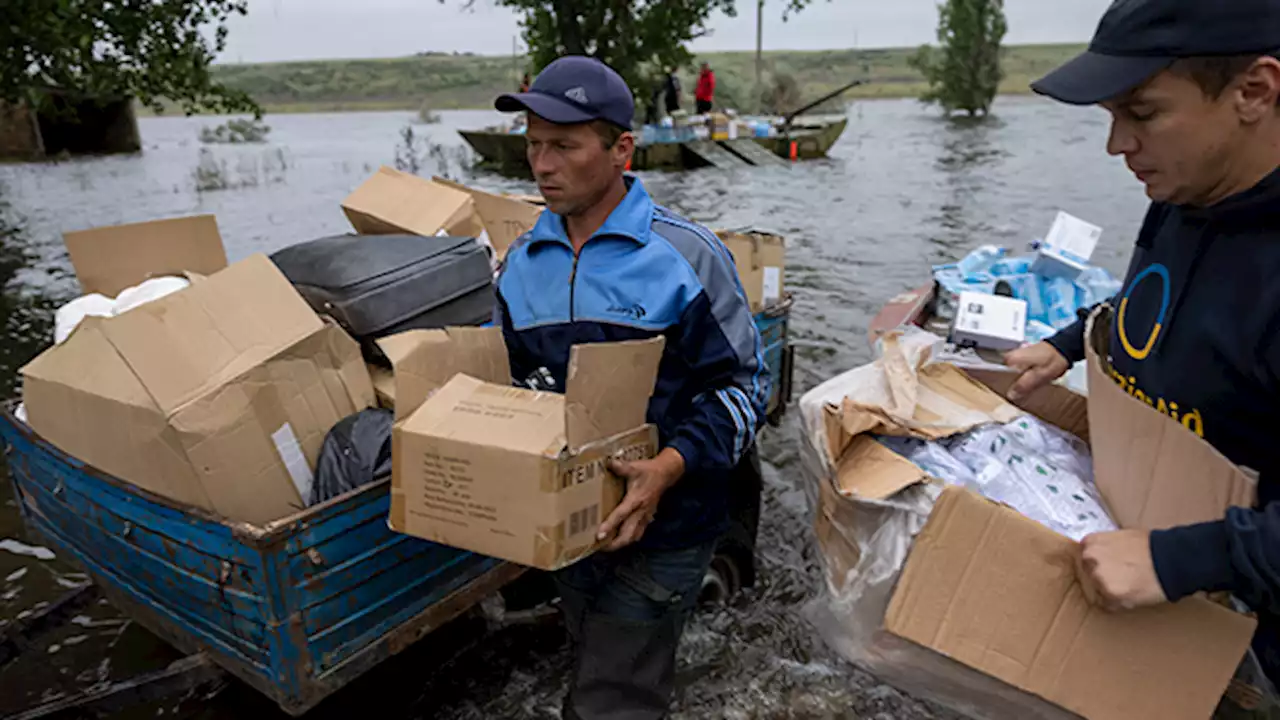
(575, 89)
(1137, 39)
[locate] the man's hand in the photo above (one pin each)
(646, 481)
(1117, 566)
(1039, 365)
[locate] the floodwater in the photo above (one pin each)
(902, 190)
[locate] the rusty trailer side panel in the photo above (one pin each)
(296, 610)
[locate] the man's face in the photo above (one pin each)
(1177, 140)
(572, 166)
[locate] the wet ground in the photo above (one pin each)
(902, 190)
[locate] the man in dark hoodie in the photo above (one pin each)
(1193, 89)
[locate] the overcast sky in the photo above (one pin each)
(310, 29)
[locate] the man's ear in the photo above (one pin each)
(624, 149)
(1258, 90)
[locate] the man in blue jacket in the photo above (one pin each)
(1192, 88)
(602, 264)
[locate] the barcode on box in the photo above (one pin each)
(584, 520)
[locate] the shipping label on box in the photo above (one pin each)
(509, 472)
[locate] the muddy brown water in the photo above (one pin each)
(902, 190)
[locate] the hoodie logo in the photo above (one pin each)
(577, 94)
(1161, 272)
(635, 311)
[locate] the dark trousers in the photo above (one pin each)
(625, 612)
(704, 106)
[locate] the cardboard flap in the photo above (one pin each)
(502, 417)
(608, 388)
(999, 592)
(1152, 470)
(872, 471)
(425, 360)
(504, 218)
(184, 344)
(394, 202)
(110, 259)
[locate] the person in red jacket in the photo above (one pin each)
(706, 90)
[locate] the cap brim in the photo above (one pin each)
(547, 107)
(1092, 78)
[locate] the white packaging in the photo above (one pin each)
(148, 291)
(67, 317)
(990, 321)
(1066, 250)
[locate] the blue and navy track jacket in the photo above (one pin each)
(648, 272)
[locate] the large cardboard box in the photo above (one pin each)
(988, 614)
(761, 261)
(218, 396)
(394, 202)
(509, 472)
(505, 218)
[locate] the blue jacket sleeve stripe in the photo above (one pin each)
(741, 436)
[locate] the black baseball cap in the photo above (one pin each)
(1137, 39)
(575, 89)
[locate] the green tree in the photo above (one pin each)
(964, 71)
(148, 49)
(637, 38)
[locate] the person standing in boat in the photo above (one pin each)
(605, 263)
(1192, 88)
(524, 83)
(671, 90)
(705, 92)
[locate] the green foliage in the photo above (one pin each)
(964, 71)
(453, 82)
(637, 38)
(148, 49)
(235, 132)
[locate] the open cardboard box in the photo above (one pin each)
(392, 202)
(508, 472)
(988, 615)
(218, 396)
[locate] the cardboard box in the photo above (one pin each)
(989, 602)
(384, 386)
(508, 472)
(1067, 248)
(761, 261)
(393, 202)
(110, 259)
(218, 396)
(990, 321)
(504, 218)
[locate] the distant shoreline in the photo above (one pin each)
(470, 82)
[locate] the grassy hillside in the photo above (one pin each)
(458, 81)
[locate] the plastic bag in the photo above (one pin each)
(69, 316)
(356, 452)
(148, 291)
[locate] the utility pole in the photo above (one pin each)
(759, 55)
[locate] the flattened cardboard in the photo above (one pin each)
(761, 262)
(126, 395)
(392, 202)
(488, 467)
(110, 259)
(505, 218)
(999, 592)
(425, 360)
(1153, 471)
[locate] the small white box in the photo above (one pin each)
(1067, 248)
(990, 321)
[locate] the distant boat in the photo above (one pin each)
(803, 139)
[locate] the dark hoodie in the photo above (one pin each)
(1197, 336)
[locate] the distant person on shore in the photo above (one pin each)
(524, 83)
(605, 263)
(671, 91)
(704, 94)
(1193, 89)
